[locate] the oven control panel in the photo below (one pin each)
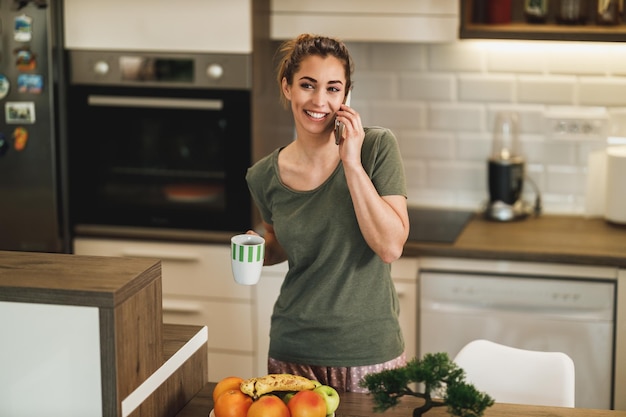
(222, 71)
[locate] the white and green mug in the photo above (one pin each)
(247, 253)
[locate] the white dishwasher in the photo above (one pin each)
(548, 311)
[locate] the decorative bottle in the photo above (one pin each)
(536, 11)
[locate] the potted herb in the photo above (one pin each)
(437, 374)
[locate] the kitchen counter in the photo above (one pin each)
(352, 404)
(548, 238)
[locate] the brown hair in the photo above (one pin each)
(293, 51)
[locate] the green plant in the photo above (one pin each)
(438, 374)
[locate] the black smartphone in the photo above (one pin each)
(338, 125)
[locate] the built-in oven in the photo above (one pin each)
(159, 141)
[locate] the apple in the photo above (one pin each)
(331, 398)
(307, 404)
(288, 397)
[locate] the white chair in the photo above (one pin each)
(512, 375)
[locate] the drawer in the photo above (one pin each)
(198, 270)
(405, 269)
(229, 323)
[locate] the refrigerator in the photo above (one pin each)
(33, 214)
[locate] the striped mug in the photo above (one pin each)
(247, 252)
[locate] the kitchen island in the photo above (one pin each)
(353, 405)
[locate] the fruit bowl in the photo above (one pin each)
(274, 395)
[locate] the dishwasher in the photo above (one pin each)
(529, 310)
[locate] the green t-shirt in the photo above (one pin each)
(337, 305)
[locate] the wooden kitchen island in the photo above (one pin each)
(89, 330)
(360, 405)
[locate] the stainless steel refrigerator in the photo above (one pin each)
(32, 197)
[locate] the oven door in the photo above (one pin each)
(159, 157)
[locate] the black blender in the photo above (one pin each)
(506, 173)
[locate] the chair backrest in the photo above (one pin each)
(512, 375)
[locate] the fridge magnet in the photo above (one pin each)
(4, 144)
(20, 137)
(23, 28)
(30, 83)
(20, 4)
(25, 59)
(5, 85)
(19, 112)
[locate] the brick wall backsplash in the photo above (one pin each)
(441, 99)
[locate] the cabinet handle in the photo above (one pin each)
(184, 307)
(400, 290)
(180, 257)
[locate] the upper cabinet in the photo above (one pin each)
(367, 20)
(562, 22)
(214, 26)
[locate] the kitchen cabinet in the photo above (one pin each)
(266, 292)
(403, 273)
(367, 20)
(198, 289)
(518, 28)
(143, 25)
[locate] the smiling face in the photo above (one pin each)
(317, 91)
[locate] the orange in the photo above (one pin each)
(226, 384)
(232, 403)
(268, 406)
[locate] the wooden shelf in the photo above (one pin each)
(519, 29)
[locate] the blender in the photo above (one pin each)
(506, 173)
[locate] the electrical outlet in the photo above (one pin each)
(576, 124)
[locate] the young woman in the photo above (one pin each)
(338, 214)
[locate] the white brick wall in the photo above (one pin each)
(440, 100)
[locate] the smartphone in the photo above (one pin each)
(338, 125)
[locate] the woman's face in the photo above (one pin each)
(316, 93)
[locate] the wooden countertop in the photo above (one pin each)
(548, 238)
(75, 280)
(360, 405)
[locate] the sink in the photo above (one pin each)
(437, 224)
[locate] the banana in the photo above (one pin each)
(255, 387)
